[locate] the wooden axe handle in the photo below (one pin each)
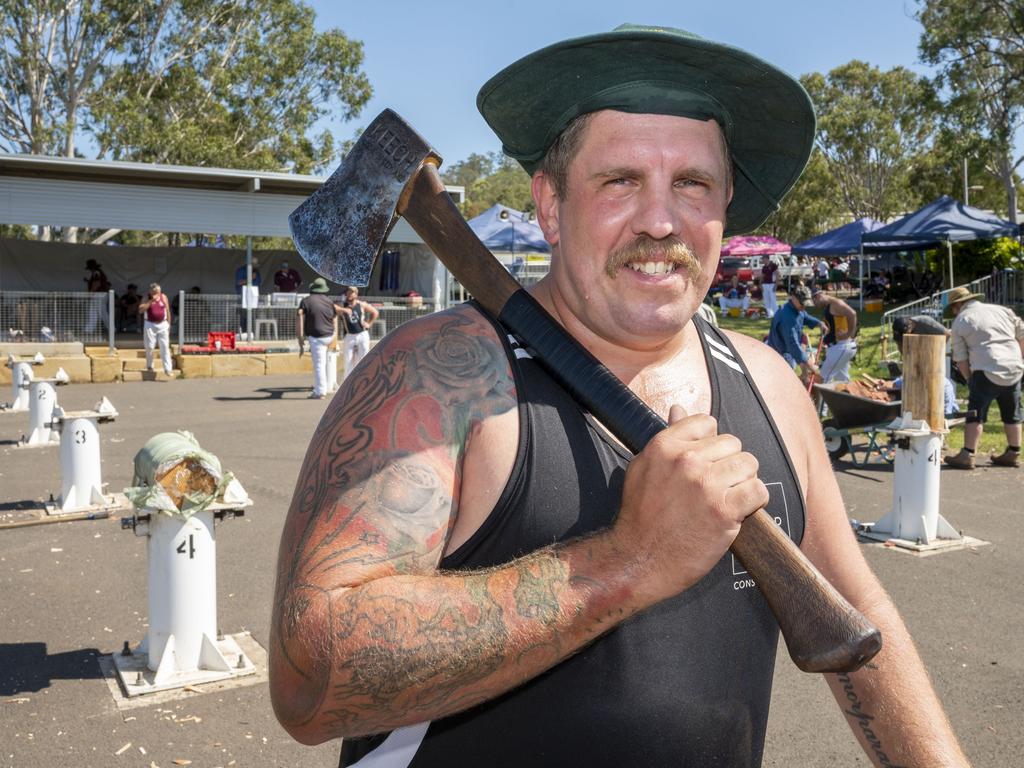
(823, 632)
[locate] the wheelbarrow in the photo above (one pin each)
(855, 415)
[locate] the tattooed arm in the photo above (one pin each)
(889, 704)
(367, 635)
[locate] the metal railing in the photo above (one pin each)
(1006, 288)
(274, 317)
(58, 316)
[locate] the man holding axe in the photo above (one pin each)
(476, 570)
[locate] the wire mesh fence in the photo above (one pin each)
(274, 317)
(58, 316)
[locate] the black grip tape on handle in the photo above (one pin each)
(591, 384)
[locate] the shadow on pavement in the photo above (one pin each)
(272, 393)
(27, 667)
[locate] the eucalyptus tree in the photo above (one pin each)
(873, 127)
(978, 48)
(231, 83)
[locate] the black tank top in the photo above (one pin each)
(830, 337)
(354, 322)
(685, 683)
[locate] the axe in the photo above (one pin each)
(392, 171)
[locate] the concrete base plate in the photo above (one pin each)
(24, 443)
(112, 502)
(937, 547)
(123, 674)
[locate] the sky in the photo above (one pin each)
(426, 59)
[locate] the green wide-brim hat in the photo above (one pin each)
(766, 115)
(319, 286)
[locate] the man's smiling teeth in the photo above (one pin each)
(652, 267)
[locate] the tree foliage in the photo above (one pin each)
(810, 207)
(232, 83)
(873, 126)
(489, 179)
(978, 46)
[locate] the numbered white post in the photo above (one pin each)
(332, 370)
(21, 375)
(914, 517)
(182, 597)
(81, 476)
(81, 470)
(42, 403)
(182, 646)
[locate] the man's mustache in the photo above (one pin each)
(646, 248)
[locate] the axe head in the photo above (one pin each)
(340, 228)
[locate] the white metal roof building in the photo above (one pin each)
(38, 190)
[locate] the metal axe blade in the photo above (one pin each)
(341, 228)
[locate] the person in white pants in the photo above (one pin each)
(318, 321)
(358, 316)
(771, 301)
(840, 342)
(156, 310)
(735, 296)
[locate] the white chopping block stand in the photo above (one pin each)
(914, 521)
(21, 375)
(182, 646)
(42, 403)
(80, 464)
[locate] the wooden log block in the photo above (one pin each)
(187, 477)
(924, 378)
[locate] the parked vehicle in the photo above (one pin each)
(791, 268)
(743, 266)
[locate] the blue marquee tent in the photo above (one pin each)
(507, 230)
(841, 241)
(944, 220)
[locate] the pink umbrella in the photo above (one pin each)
(754, 245)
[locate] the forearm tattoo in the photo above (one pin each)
(375, 498)
(864, 720)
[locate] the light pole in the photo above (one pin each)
(967, 187)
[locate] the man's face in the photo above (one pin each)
(636, 238)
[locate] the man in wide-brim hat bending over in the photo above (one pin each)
(988, 348)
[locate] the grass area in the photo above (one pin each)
(869, 361)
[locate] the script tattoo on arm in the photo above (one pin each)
(375, 500)
(864, 720)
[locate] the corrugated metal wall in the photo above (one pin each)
(143, 207)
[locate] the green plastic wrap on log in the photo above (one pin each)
(175, 476)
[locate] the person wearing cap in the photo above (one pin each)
(786, 332)
(318, 322)
(357, 316)
(474, 572)
(768, 275)
(840, 321)
(287, 279)
(988, 348)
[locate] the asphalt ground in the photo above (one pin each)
(73, 592)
